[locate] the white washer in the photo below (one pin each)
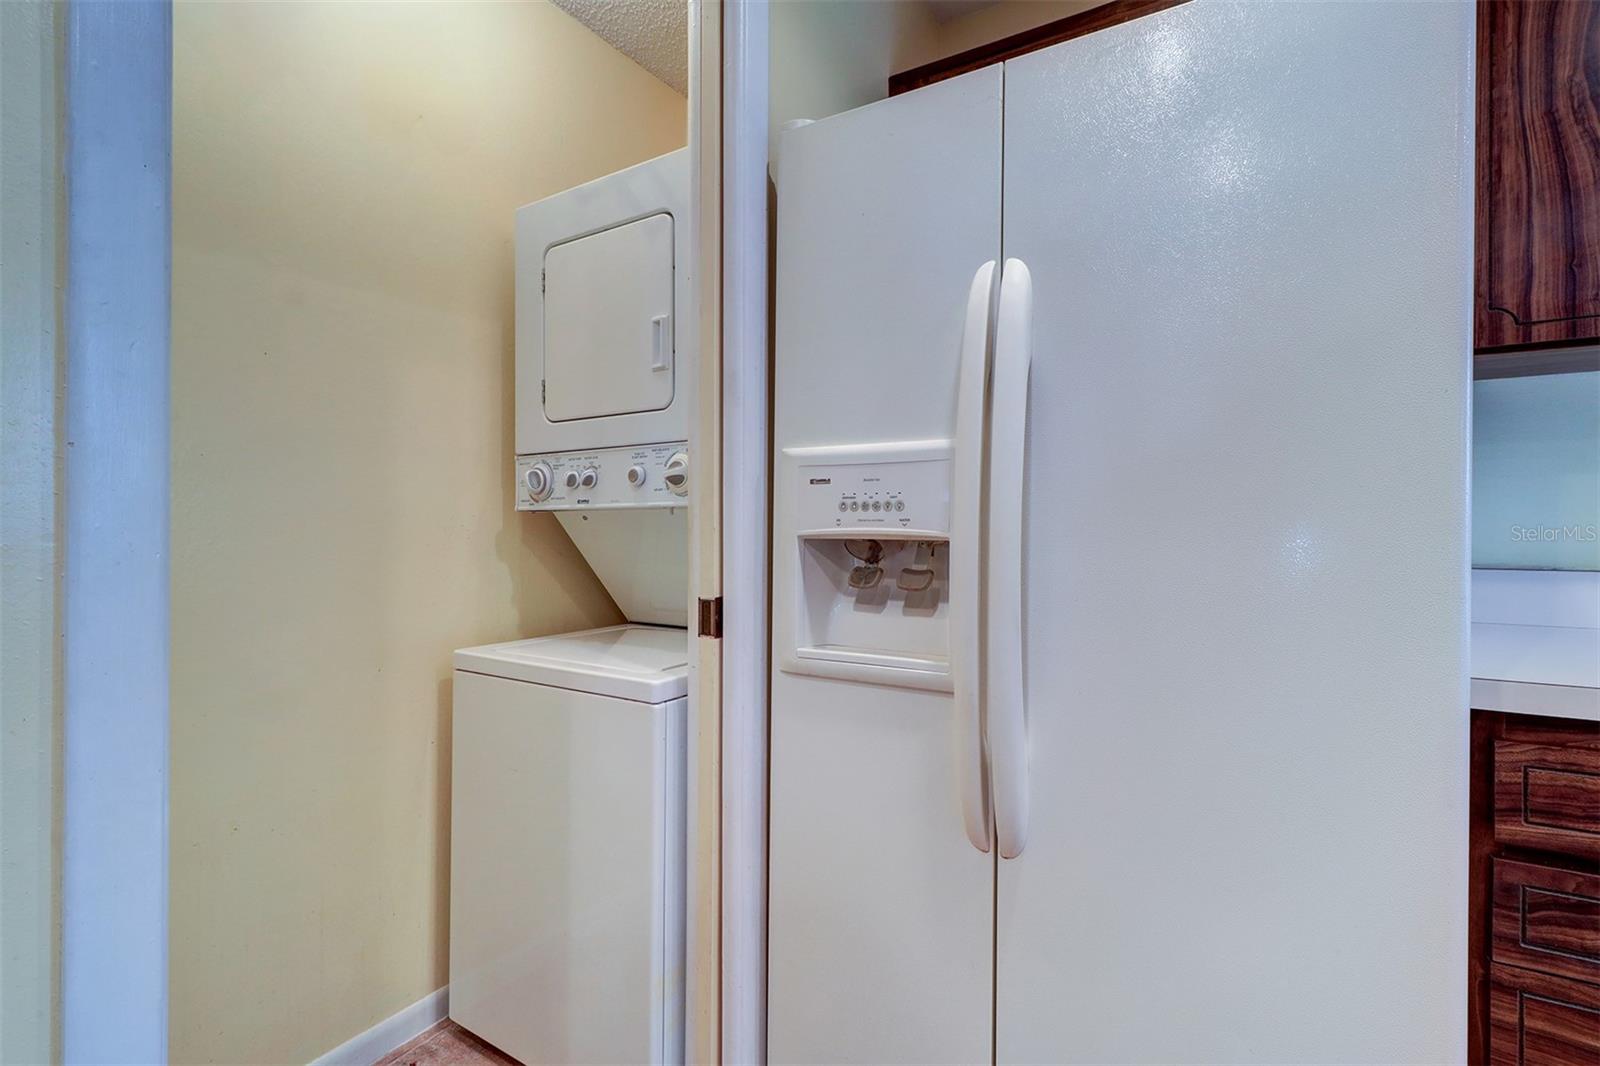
(567, 845)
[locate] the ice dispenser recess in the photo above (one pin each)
(870, 527)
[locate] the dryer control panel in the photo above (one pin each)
(648, 475)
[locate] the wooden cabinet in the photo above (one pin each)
(1534, 892)
(1538, 213)
(1546, 918)
(1537, 1020)
(1547, 796)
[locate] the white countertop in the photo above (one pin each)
(1553, 670)
(1535, 643)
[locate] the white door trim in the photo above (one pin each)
(746, 533)
(115, 546)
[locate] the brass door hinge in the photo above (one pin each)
(711, 618)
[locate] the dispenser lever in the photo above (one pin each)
(914, 579)
(865, 576)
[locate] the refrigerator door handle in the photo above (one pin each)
(1005, 697)
(966, 558)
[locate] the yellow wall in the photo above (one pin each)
(344, 180)
(32, 250)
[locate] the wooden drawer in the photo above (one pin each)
(1547, 796)
(1546, 919)
(1538, 1020)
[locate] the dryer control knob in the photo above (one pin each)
(589, 478)
(676, 473)
(537, 478)
(571, 479)
(636, 475)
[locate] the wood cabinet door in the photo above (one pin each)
(1547, 918)
(1547, 797)
(1538, 1020)
(1538, 244)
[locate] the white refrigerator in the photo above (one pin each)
(1119, 701)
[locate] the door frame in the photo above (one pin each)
(746, 530)
(730, 448)
(703, 961)
(114, 531)
(116, 625)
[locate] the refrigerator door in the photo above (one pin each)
(880, 941)
(1249, 232)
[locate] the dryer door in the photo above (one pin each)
(608, 328)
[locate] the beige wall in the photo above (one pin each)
(32, 251)
(344, 180)
(829, 56)
(985, 25)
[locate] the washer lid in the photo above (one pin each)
(631, 662)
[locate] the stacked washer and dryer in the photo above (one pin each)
(567, 818)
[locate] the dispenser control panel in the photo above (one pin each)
(867, 563)
(873, 487)
(646, 475)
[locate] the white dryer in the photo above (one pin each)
(567, 846)
(605, 363)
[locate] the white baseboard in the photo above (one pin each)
(366, 1048)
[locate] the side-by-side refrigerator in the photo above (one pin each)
(1119, 698)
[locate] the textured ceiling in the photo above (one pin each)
(652, 33)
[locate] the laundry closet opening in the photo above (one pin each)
(363, 198)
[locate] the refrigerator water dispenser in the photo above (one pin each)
(870, 527)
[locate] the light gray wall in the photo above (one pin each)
(1536, 472)
(31, 214)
